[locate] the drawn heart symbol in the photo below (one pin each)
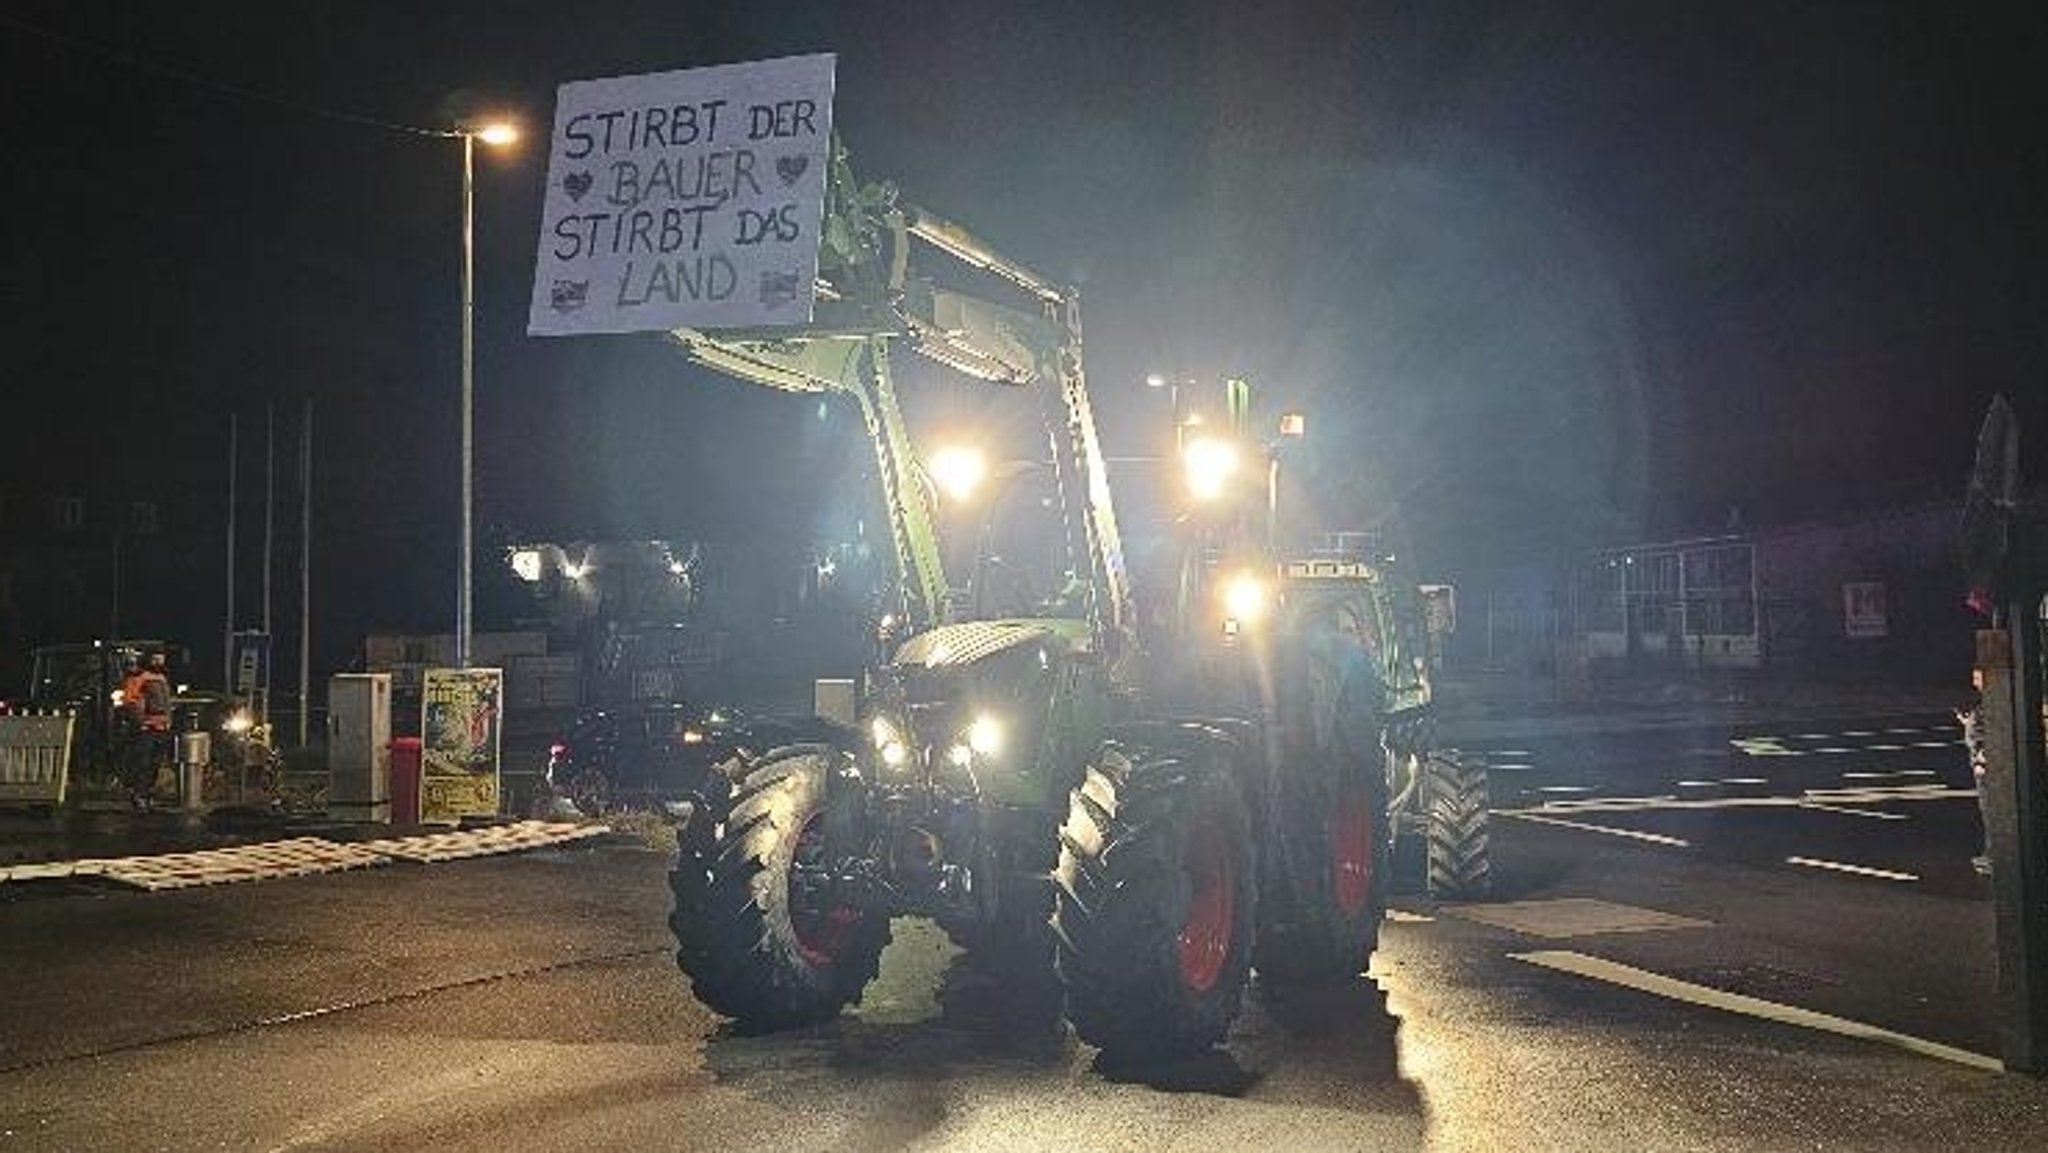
(791, 168)
(576, 184)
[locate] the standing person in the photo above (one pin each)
(131, 747)
(1973, 742)
(152, 705)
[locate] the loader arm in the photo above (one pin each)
(868, 300)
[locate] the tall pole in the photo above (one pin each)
(114, 613)
(305, 570)
(462, 618)
(227, 640)
(269, 503)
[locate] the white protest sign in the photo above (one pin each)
(685, 199)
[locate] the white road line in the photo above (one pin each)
(1888, 775)
(1935, 744)
(1832, 749)
(1811, 736)
(1745, 780)
(1883, 792)
(1905, 730)
(1858, 733)
(1858, 870)
(1509, 767)
(1563, 789)
(1699, 784)
(1763, 747)
(1875, 795)
(1875, 814)
(1512, 753)
(1670, 988)
(1883, 748)
(1653, 838)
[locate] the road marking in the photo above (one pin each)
(1653, 838)
(1883, 748)
(1404, 917)
(1572, 917)
(1858, 733)
(1563, 789)
(1876, 814)
(1858, 870)
(1832, 749)
(1811, 736)
(1699, 784)
(1763, 747)
(1513, 753)
(1906, 730)
(1670, 988)
(1509, 767)
(1917, 789)
(1935, 744)
(1745, 780)
(1872, 795)
(1888, 775)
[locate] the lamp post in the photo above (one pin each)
(494, 134)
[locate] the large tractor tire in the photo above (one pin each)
(1319, 920)
(751, 930)
(1454, 803)
(1157, 891)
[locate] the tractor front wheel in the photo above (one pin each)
(756, 924)
(1157, 891)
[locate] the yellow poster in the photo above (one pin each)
(461, 723)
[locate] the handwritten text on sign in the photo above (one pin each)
(685, 199)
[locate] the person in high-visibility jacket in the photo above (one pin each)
(145, 706)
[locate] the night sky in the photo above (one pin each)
(1543, 276)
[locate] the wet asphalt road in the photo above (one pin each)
(1832, 860)
(529, 1002)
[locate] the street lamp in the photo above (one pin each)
(495, 134)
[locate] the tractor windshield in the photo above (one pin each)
(1021, 566)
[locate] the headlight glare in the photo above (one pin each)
(1244, 598)
(985, 736)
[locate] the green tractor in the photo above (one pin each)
(1133, 831)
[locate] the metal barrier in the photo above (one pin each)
(35, 758)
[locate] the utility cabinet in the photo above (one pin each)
(359, 747)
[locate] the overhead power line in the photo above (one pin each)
(217, 87)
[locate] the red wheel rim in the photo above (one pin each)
(821, 934)
(1205, 938)
(1351, 854)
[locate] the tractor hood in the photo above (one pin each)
(957, 645)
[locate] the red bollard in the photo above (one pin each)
(405, 780)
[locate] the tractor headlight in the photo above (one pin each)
(238, 722)
(889, 743)
(1210, 464)
(985, 736)
(1245, 600)
(981, 740)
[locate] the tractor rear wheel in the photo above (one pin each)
(755, 925)
(1157, 890)
(1454, 800)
